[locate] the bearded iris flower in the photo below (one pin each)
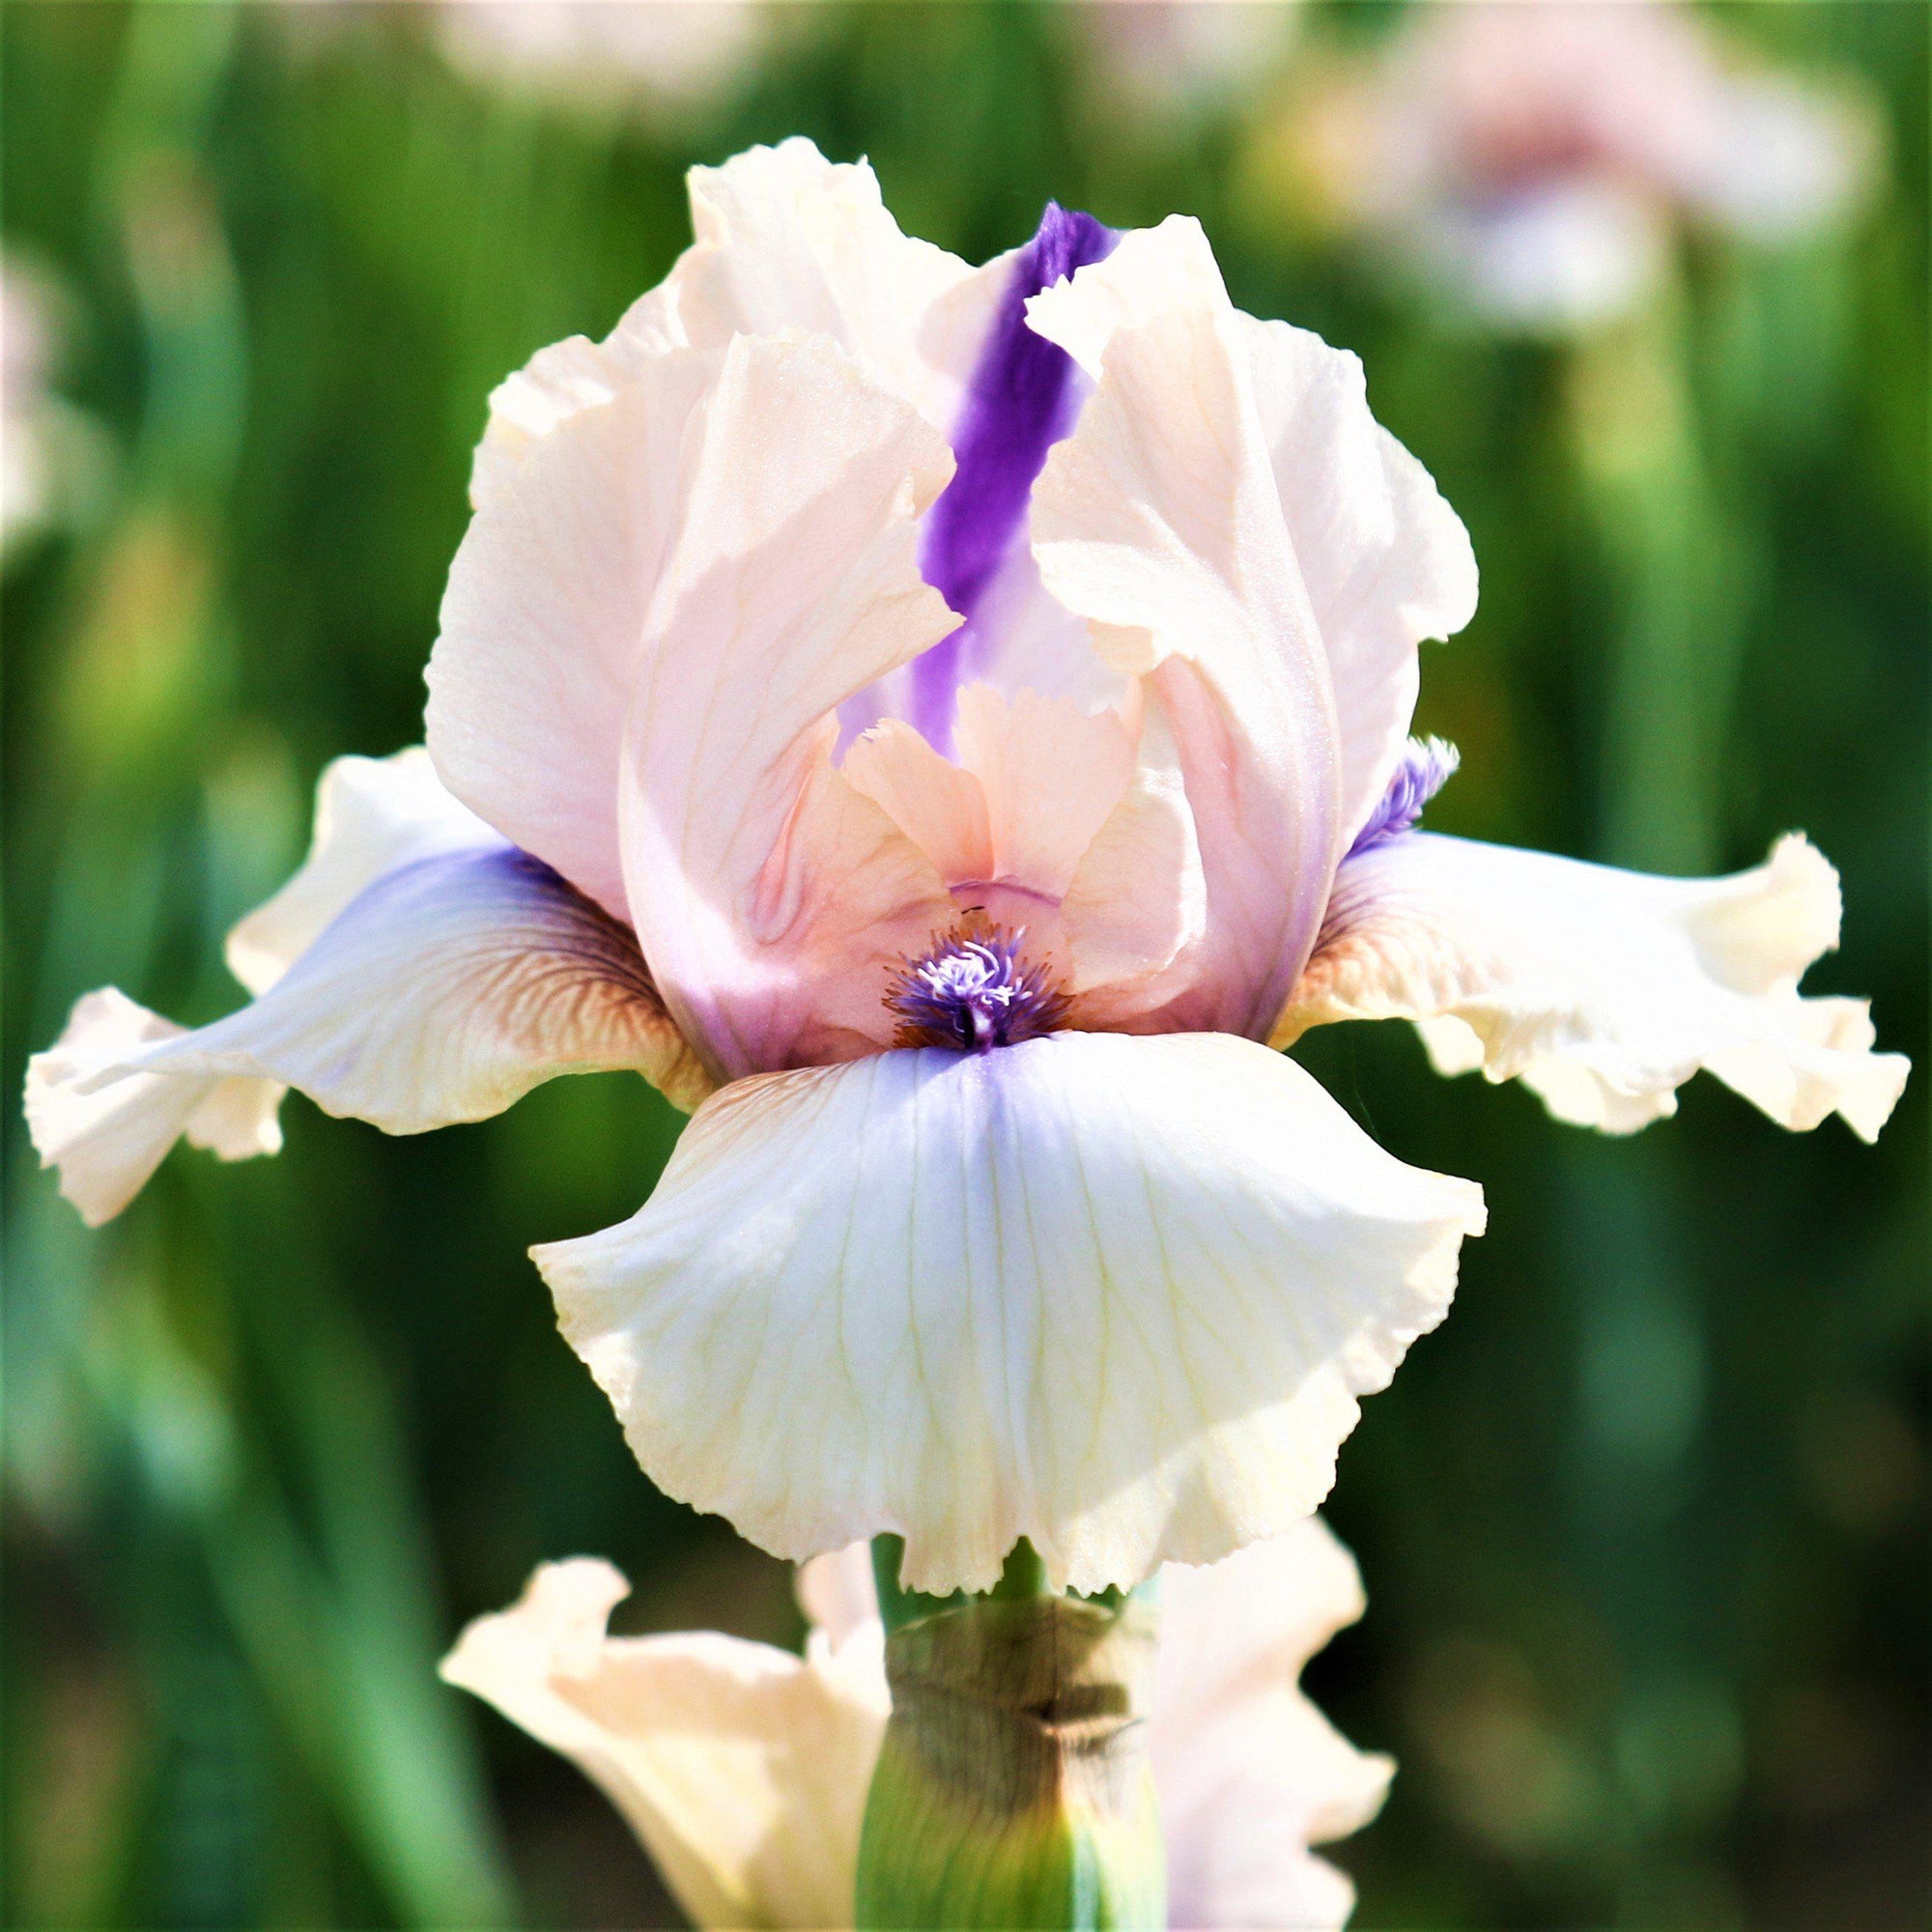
(743, 1770)
(945, 724)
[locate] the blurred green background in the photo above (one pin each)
(1643, 1525)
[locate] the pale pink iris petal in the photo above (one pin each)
(391, 983)
(1137, 904)
(1603, 990)
(107, 1141)
(794, 580)
(371, 815)
(1159, 522)
(786, 240)
(445, 990)
(1052, 775)
(742, 1769)
(938, 804)
(1386, 561)
(1117, 1295)
(1383, 560)
(1250, 1773)
(543, 622)
(843, 899)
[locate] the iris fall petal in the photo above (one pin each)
(1116, 1295)
(1604, 990)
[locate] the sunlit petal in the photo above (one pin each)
(543, 622)
(371, 815)
(794, 582)
(107, 1141)
(1117, 1296)
(1159, 521)
(1250, 1773)
(741, 1768)
(1604, 990)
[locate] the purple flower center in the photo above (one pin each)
(974, 991)
(1424, 767)
(1023, 398)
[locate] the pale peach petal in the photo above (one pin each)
(1052, 775)
(789, 241)
(1117, 1296)
(371, 815)
(107, 1141)
(1603, 990)
(842, 901)
(939, 806)
(1137, 904)
(1159, 521)
(786, 241)
(742, 1769)
(1386, 561)
(543, 622)
(795, 580)
(445, 991)
(1249, 1772)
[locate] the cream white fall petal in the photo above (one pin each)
(1603, 990)
(1115, 1295)
(939, 721)
(744, 1770)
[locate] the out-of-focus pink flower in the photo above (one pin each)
(744, 1770)
(1171, 58)
(1536, 156)
(50, 453)
(666, 54)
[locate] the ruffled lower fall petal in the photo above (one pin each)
(445, 990)
(1603, 990)
(107, 1141)
(1117, 1295)
(742, 1769)
(371, 816)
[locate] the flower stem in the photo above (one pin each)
(1013, 1788)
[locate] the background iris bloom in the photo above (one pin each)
(743, 1768)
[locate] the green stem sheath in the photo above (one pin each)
(1013, 1787)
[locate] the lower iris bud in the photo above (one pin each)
(1014, 1786)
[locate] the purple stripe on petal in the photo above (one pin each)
(1022, 399)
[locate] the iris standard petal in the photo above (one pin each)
(742, 1769)
(1604, 990)
(1159, 520)
(770, 897)
(542, 627)
(1117, 1295)
(1383, 560)
(786, 240)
